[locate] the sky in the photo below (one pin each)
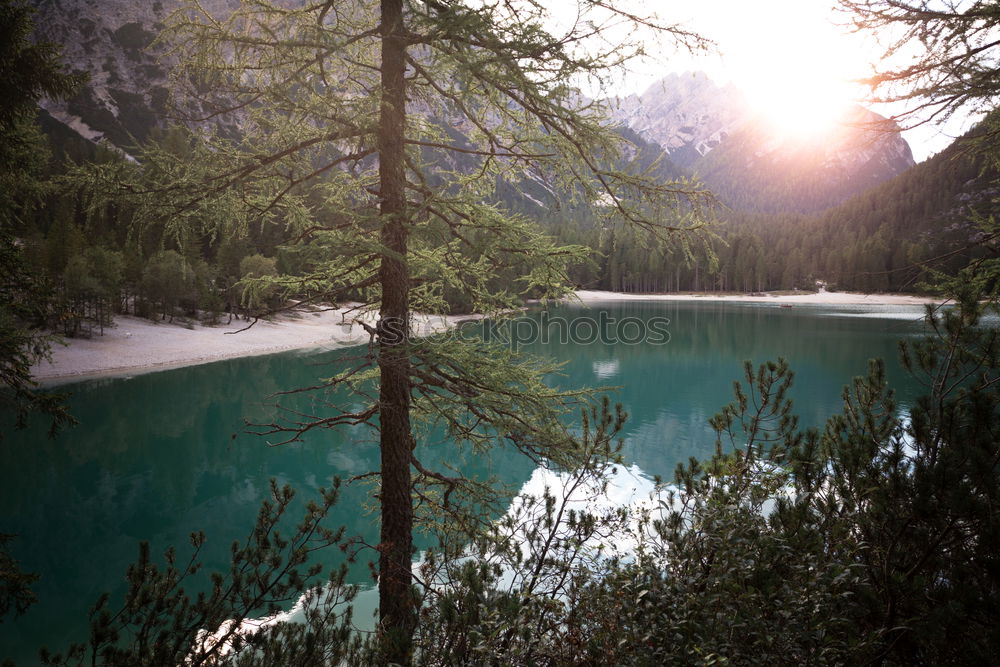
(797, 61)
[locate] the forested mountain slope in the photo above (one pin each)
(684, 126)
(878, 240)
(752, 170)
(927, 214)
(875, 241)
(704, 128)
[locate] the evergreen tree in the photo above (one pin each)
(28, 71)
(166, 280)
(951, 55)
(162, 622)
(345, 117)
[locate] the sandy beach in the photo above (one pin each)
(806, 298)
(134, 345)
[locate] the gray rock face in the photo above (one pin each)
(108, 39)
(866, 138)
(703, 127)
(712, 131)
(687, 114)
(111, 41)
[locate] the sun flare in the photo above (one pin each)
(802, 88)
(793, 59)
(801, 108)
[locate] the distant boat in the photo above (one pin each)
(786, 305)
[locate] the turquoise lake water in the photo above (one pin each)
(160, 455)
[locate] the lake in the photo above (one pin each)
(160, 455)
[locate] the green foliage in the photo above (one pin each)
(27, 71)
(31, 70)
(168, 279)
(91, 290)
(499, 600)
(15, 585)
(710, 581)
(23, 301)
(258, 290)
(890, 513)
(160, 622)
(371, 199)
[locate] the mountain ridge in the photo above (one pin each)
(704, 128)
(714, 132)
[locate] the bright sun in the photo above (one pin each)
(800, 106)
(795, 65)
(800, 80)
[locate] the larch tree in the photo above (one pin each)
(940, 58)
(378, 134)
(28, 72)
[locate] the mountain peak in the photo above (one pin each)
(715, 132)
(687, 114)
(703, 126)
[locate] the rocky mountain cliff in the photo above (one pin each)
(704, 128)
(687, 114)
(108, 40)
(111, 40)
(714, 132)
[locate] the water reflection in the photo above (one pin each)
(161, 455)
(607, 368)
(670, 390)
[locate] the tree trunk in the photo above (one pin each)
(396, 604)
